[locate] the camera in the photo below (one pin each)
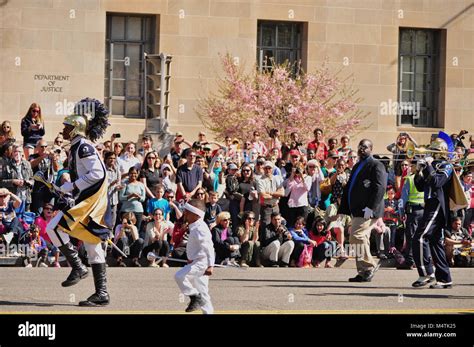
(117, 136)
(57, 151)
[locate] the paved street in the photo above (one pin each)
(152, 290)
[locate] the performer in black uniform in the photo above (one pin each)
(433, 178)
(88, 186)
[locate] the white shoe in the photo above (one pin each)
(153, 264)
(29, 265)
(42, 264)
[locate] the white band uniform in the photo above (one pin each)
(194, 210)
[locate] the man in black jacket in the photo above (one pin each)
(363, 199)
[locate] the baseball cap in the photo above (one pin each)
(333, 154)
(295, 152)
(178, 134)
(232, 166)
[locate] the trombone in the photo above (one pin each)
(412, 151)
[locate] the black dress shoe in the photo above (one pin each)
(371, 273)
(359, 278)
(421, 282)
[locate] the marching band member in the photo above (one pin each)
(433, 178)
(88, 186)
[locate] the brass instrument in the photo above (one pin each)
(412, 151)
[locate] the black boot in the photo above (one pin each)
(79, 271)
(100, 297)
(195, 303)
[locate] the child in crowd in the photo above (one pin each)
(300, 237)
(36, 248)
(391, 220)
(159, 202)
(325, 245)
(212, 209)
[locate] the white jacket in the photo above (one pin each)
(86, 167)
(200, 246)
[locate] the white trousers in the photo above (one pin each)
(95, 253)
(192, 281)
(274, 251)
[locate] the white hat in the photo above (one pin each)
(268, 164)
(165, 166)
(232, 166)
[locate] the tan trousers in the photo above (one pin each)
(360, 240)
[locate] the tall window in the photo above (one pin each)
(280, 42)
(128, 37)
(419, 76)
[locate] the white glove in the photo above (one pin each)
(429, 160)
(368, 213)
(379, 226)
(67, 187)
(421, 164)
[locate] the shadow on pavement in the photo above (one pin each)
(414, 296)
(269, 280)
(24, 303)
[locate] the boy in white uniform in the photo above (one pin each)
(193, 279)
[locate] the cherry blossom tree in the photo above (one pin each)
(275, 98)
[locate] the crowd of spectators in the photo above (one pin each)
(268, 202)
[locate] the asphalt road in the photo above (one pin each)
(255, 290)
